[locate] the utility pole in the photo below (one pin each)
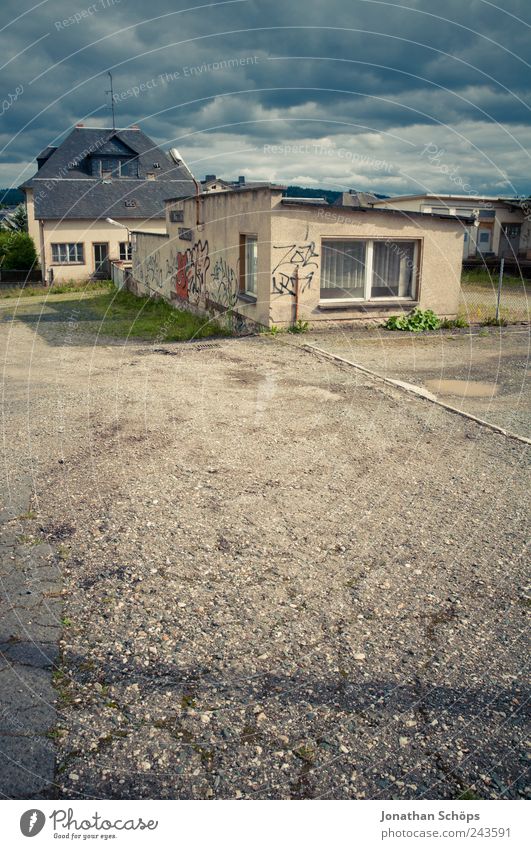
(111, 92)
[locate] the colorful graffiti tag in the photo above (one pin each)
(192, 266)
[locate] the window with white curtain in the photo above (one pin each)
(368, 269)
(343, 269)
(392, 270)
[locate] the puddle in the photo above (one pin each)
(463, 388)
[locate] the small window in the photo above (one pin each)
(130, 204)
(484, 236)
(67, 252)
(248, 265)
(156, 165)
(125, 251)
(129, 167)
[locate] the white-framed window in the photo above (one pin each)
(249, 264)
(67, 252)
(368, 269)
(125, 251)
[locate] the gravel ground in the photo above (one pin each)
(481, 371)
(280, 580)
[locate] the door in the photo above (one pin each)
(510, 240)
(484, 240)
(102, 266)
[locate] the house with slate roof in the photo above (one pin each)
(94, 175)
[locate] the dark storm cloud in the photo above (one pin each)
(225, 81)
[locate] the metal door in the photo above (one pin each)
(510, 240)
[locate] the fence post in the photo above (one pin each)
(500, 283)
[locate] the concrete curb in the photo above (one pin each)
(417, 391)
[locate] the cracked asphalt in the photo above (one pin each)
(252, 573)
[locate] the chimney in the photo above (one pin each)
(80, 125)
(134, 127)
(209, 177)
(241, 180)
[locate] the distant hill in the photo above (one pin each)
(330, 194)
(11, 197)
(302, 192)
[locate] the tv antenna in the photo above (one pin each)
(111, 92)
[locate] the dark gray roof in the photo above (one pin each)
(64, 188)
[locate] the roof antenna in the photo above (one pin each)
(111, 92)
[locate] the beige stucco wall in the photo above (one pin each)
(46, 232)
(204, 270)
(503, 215)
(298, 232)
(212, 254)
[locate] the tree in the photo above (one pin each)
(16, 220)
(17, 250)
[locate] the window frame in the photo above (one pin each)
(67, 246)
(128, 249)
(244, 290)
(369, 265)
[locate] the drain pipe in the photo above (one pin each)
(177, 158)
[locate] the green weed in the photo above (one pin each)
(415, 321)
(299, 326)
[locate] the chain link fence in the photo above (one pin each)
(495, 291)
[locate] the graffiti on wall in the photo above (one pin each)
(191, 267)
(295, 261)
(181, 276)
(149, 272)
(225, 282)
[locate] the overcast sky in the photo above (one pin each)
(365, 94)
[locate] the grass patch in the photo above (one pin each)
(492, 321)
(123, 314)
(57, 289)
(452, 323)
(483, 277)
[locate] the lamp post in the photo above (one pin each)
(123, 226)
(124, 272)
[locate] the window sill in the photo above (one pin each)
(66, 263)
(247, 299)
(352, 303)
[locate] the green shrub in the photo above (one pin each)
(17, 250)
(416, 321)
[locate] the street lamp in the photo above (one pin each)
(123, 226)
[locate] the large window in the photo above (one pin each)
(67, 252)
(368, 269)
(248, 265)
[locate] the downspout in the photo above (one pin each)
(43, 256)
(296, 292)
(198, 222)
